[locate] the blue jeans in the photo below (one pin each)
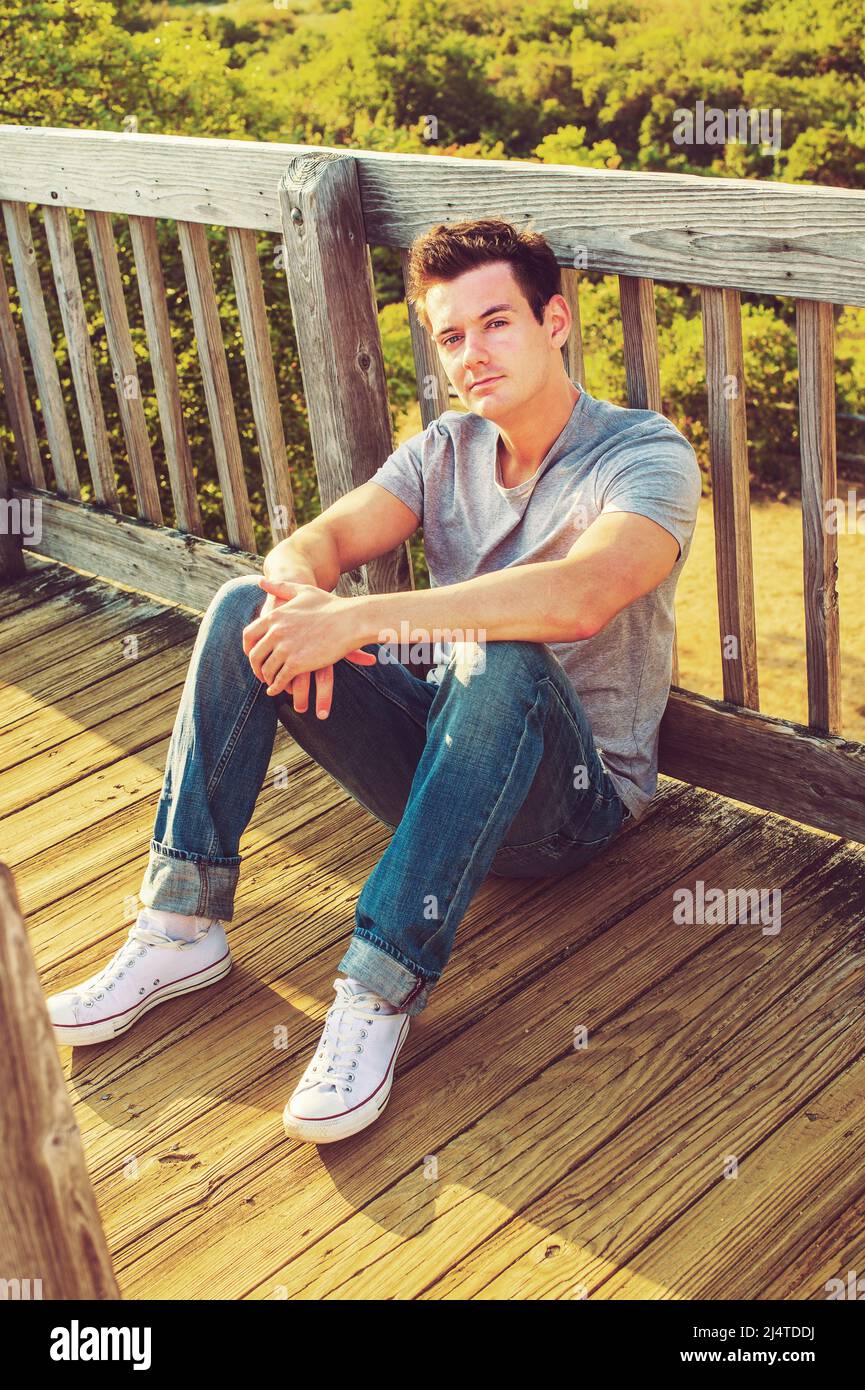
(494, 770)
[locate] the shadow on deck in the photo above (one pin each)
(703, 1143)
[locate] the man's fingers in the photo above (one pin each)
(254, 633)
(258, 653)
(299, 691)
(272, 667)
(323, 691)
(361, 658)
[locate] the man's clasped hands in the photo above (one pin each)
(302, 630)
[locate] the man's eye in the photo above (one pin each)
(492, 323)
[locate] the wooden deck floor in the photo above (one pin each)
(509, 1163)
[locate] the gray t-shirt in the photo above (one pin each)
(607, 458)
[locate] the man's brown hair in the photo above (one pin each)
(452, 248)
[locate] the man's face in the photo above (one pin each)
(483, 327)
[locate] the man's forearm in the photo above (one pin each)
(533, 602)
(308, 556)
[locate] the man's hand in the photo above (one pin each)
(301, 629)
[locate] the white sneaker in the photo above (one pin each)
(348, 1082)
(149, 968)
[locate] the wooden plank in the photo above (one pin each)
(25, 625)
(87, 667)
(52, 1231)
(642, 370)
(41, 581)
(36, 777)
(546, 949)
(572, 352)
(155, 560)
(704, 1093)
(838, 1247)
(258, 355)
(534, 929)
(117, 619)
(752, 234)
(124, 366)
(178, 456)
(45, 727)
(217, 386)
(41, 348)
(33, 830)
(433, 386)
(640, 329)
(811, 1169)
(15, 392)
(72, 311)
(333, 304)
(51, 881)
(728, 451)
(815, 330)
(773, 763)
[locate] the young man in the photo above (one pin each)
(555, 527)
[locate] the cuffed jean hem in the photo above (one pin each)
(177, 881)
(372, 961)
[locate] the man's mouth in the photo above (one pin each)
(487, 381)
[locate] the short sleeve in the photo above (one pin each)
(655, 476)
(402, 473)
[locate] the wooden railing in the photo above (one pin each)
(330, 206)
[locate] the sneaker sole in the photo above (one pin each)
(343, 1126)
(78, 1035)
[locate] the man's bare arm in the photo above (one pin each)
(367, 522)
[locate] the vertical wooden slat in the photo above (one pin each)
(642, 372)
(333, 303)
(123, 364)
(258, 355)
(15, 388)
(640, 329)
(433, 387)
(92, 417)
(728, 449)
(50, 1223)
(41, 348)
(217, 385)
(154, 306)
(815, 331)
(573, 349)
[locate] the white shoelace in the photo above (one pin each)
(125, 956)
(327, 1067)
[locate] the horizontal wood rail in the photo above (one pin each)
(747, 234)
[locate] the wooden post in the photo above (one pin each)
(332, 296)
(433, 387)
(50, 1228)
(728, 452)
(815, 330)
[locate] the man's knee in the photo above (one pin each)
(479, 665)
(240, 596)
